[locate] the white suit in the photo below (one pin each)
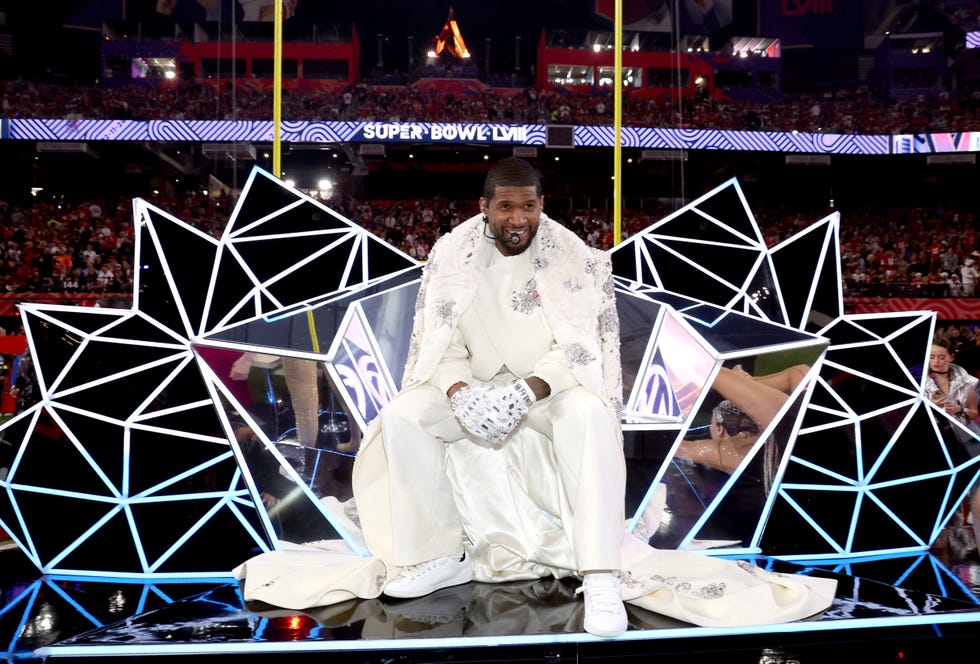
(483, 317)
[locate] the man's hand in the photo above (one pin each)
(469, 405)
(515, 397)
(491, 414)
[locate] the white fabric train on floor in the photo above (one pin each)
(512, 512)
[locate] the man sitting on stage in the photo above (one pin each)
(515, 328)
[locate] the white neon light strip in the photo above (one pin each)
(168, 275)
(257, 647)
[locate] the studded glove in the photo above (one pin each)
(515, 397)
(469, 405)
(492, 413)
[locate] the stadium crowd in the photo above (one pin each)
(60, 246)
(87, 246)
(841, 111)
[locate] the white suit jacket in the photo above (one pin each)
(574, 286)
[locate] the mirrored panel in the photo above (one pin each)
(731, 332)
(310, 328)
(741, 502)
(715, 483)
(665, 363)
(370, 350)
(361, 338)
(294, 438)
(648, 453)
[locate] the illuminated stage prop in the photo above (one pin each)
(153, 467)
(854, 445)
(450, 40)
(130, 442)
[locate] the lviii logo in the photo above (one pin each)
(803, 7)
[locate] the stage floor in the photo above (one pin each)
(901, 608)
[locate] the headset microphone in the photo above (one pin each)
(514, 238)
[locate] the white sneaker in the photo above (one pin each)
(605, 614)
(424, 578)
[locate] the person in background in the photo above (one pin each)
(953, 389)
(114, 302)
(949, 386)
(749, 405)
(968, 278)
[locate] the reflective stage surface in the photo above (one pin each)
(887, 609)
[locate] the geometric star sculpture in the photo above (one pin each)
(877, 468)
(150, 465)
(123, 466)
(130, 464)
(869, 465)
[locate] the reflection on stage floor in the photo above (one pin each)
(885, 608)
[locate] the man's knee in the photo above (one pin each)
(582, 404)
(420, 411)
(399, 405)
(411, 403)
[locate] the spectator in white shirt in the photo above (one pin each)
(968, 277)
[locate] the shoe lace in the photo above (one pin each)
(421, 569)
(601, 597)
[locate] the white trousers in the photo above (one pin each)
(417, 427)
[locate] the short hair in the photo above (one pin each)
(942, 342)
(511, 172)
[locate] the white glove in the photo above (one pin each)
(468, 404)
(492, 413)
(514, 398)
